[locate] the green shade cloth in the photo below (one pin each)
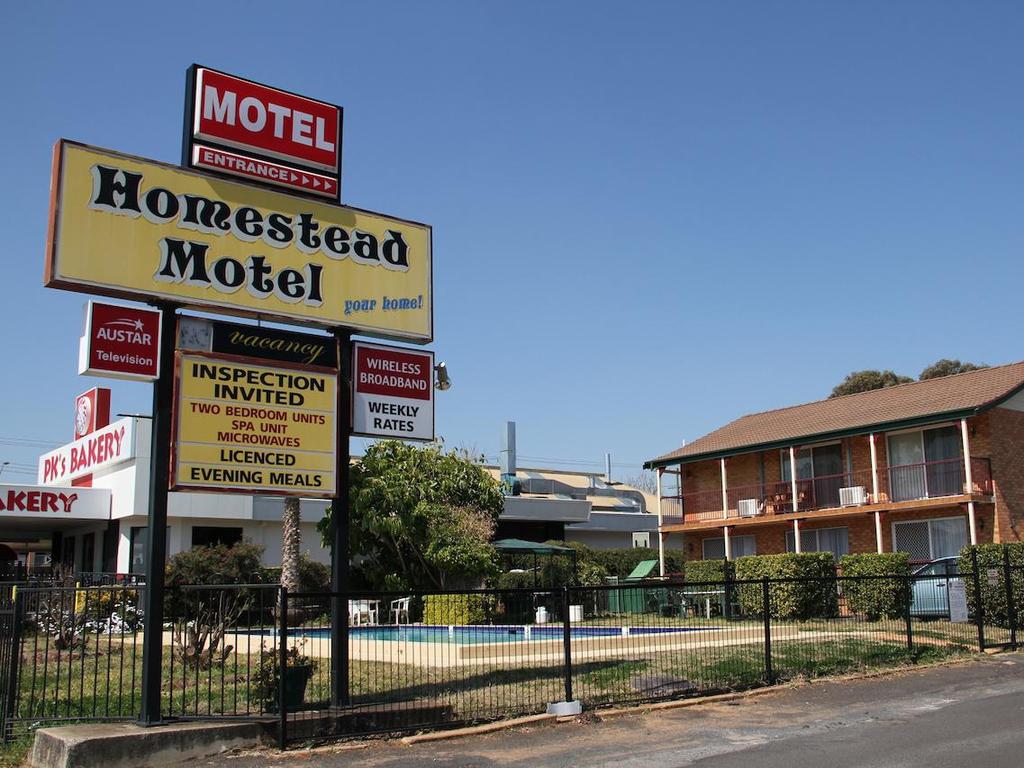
(518, 545)
(643, 569)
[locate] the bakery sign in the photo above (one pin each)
(392, 392)
(33, 501)
(120, 342)
(133, 228)
(103, 449)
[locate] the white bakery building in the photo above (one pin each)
(104, 529)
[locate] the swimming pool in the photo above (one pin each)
(466, 635)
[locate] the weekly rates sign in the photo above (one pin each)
(392, 392)
(254, 428)
(124, 226)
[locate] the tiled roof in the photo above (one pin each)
(904, 402)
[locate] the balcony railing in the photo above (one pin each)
(906, 482)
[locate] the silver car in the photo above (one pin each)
(931, 595)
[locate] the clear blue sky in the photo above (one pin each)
(649, 218)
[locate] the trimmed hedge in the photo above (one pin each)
(455, 609)
(993, 593)
(815, 598)
(877, 598)
(709, 570)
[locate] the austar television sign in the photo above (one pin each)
(120, 342)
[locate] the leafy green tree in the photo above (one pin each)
(420, 517)
(946, 367)
(865, 381)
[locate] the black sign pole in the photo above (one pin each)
(156, 541)
(339, 527)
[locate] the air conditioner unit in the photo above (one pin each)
(748, 507)
(853, 496)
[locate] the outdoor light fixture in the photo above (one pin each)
(4, 465)
(443, 380)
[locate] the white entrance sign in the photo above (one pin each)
(393, 392)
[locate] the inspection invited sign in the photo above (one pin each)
(254, 428)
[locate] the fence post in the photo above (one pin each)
(282, 661)
(766, 607)
(979, 607)
(910, 599)
(1011, 607)
(567, 643)
(11, 699)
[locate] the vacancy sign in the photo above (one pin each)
(120, 342)
(264, 124)
(393, 392)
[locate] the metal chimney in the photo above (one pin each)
(507, 454)
(608, 468)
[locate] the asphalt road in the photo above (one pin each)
(946, 717)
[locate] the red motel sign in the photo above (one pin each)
(264, 125)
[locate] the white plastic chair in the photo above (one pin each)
(399, 607)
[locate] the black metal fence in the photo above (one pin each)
(420, 660)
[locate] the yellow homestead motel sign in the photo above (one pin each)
(124, 226)
(254, 428)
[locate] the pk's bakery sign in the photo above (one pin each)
(124, 226)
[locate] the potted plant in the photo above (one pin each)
(297, 673)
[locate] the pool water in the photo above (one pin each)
(485, 634)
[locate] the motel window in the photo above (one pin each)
(211, 536)
(834, 540)
(714, 548)
(930, 539)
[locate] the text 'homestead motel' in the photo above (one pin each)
(924, 468)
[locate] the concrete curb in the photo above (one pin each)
(125, 745)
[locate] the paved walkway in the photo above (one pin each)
(952, 716)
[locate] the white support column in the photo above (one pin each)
(874, 470)
(874, 493)
(796, 536)
(728, 544)
(792, 479)
(661, 536)
(725, 494)
(969, 478)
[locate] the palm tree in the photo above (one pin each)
(291, 540)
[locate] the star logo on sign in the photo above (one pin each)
(138, 325)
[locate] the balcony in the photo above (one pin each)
(908, 482)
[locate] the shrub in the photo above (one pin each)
(709, 570)
(313, 576)
(877, 598)
(993, 591)
(210, 613)
(456, 609)
(813, 596)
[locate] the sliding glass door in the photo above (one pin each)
(925, 464)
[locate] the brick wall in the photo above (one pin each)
(1004, 441)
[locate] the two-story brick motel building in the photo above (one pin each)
(923, 468)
